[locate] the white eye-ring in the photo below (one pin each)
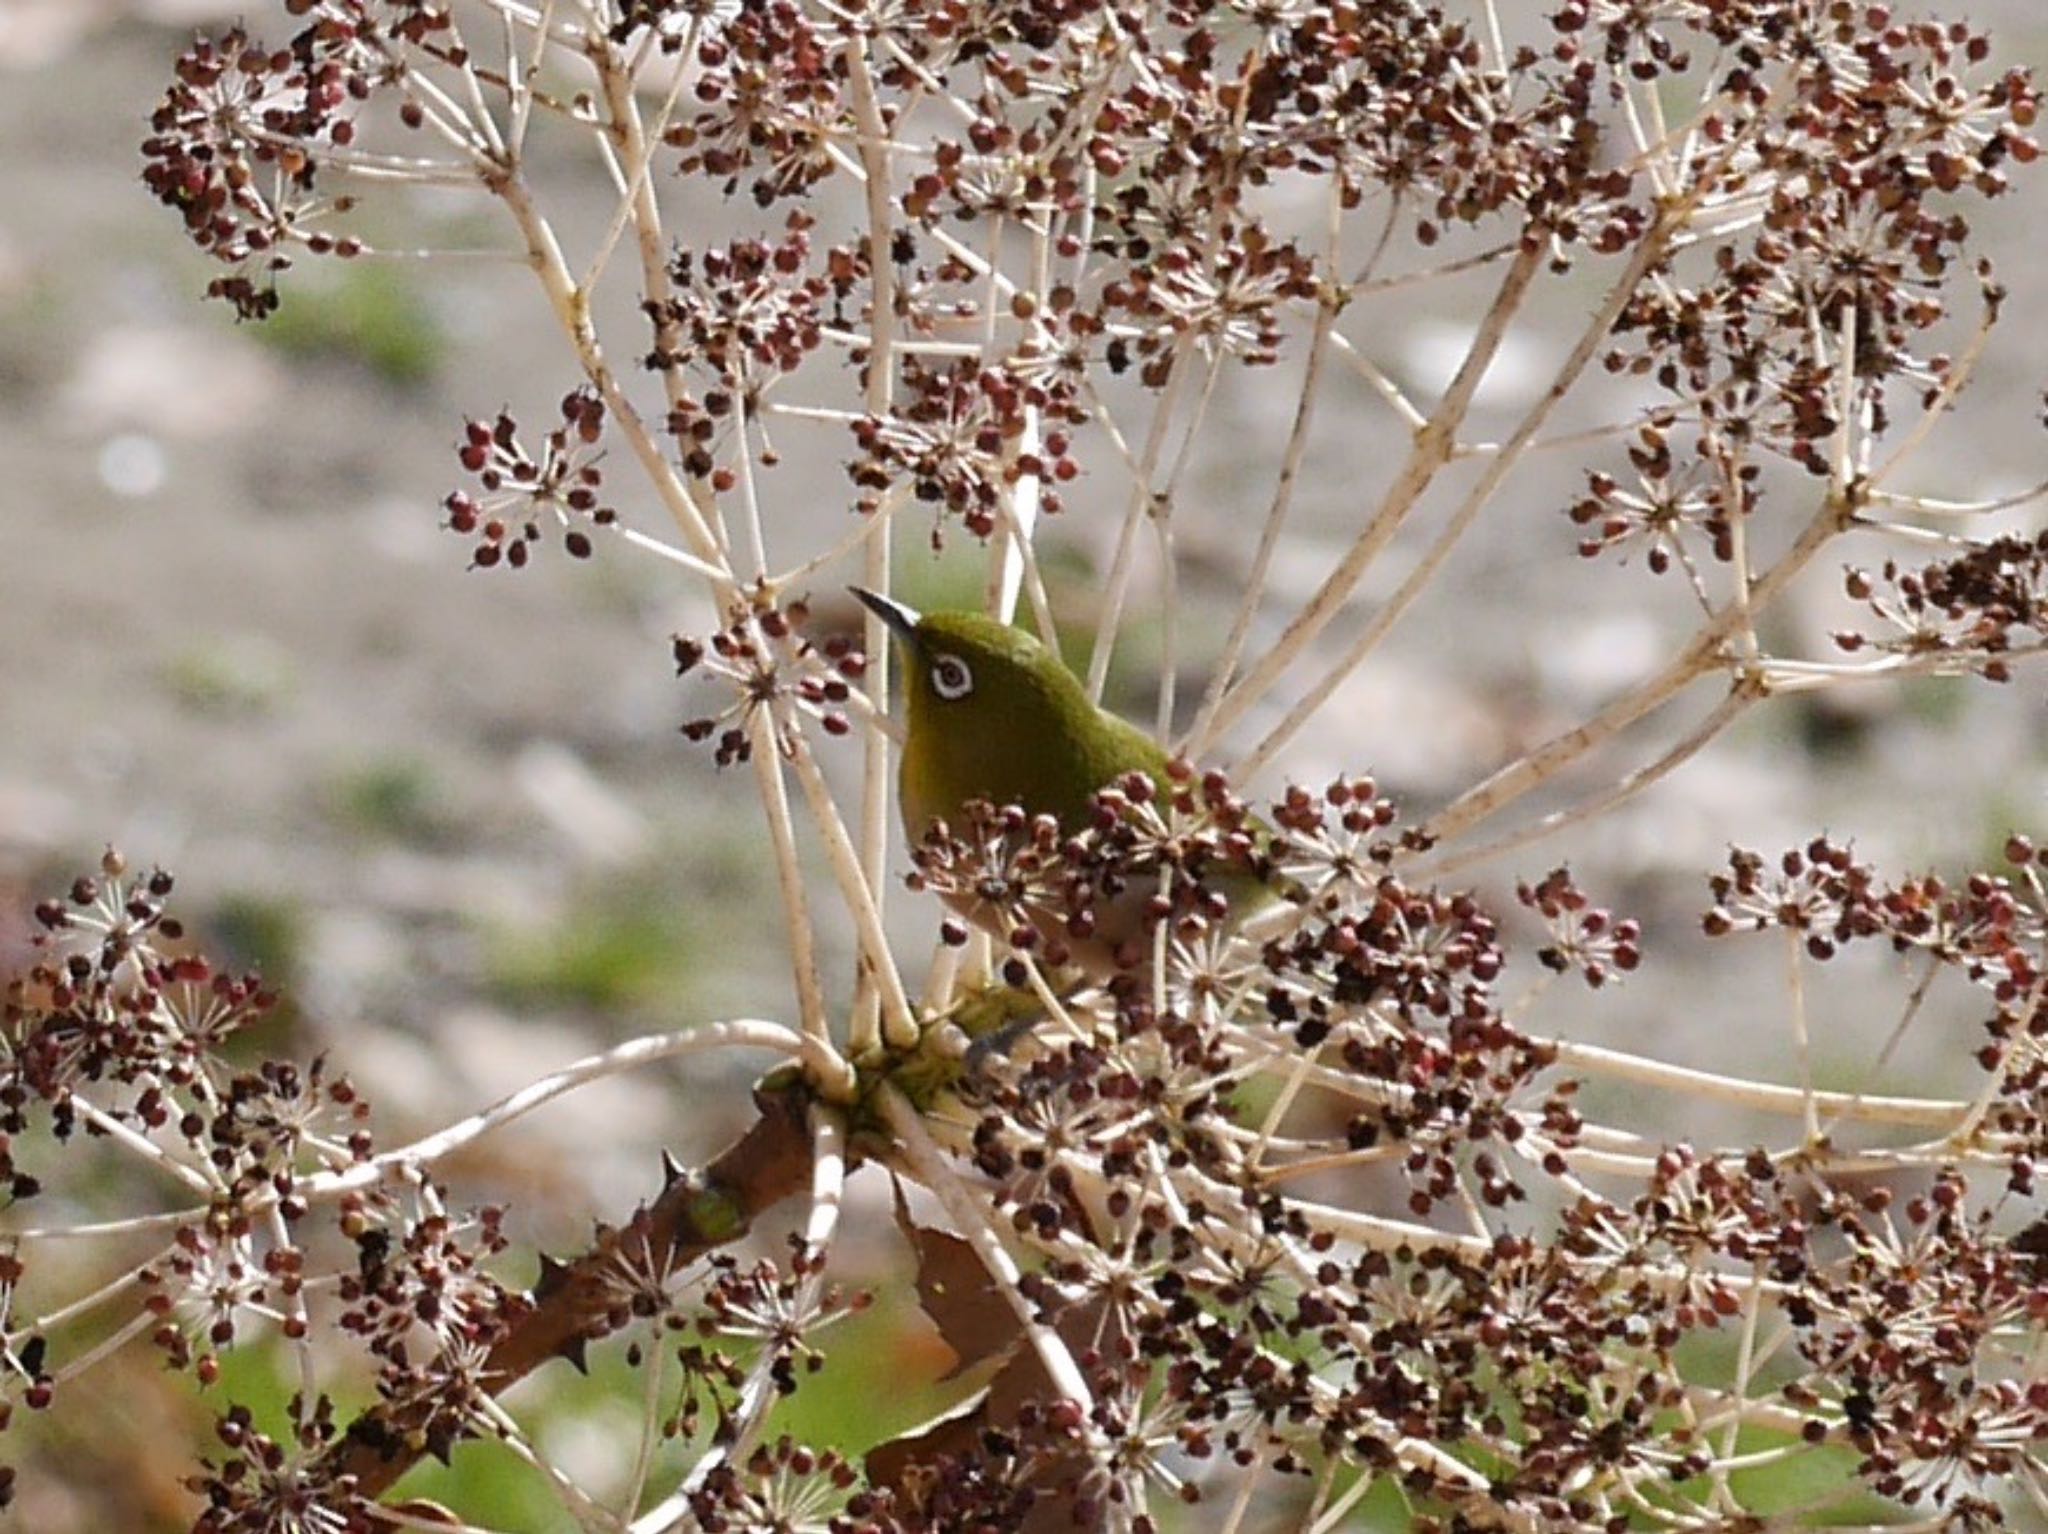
(951, 679)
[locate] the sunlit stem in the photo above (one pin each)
(1429, 453)
(1422, 577)
(1140, 505)
(1276, 520)
(572, 311)
(1732, 705)
(1766, 1097)
(789, 878)
(405, 1162)
(899, 1022)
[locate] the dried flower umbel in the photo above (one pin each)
(524, 497)
(1215, 1310)
(782, 680)
(1295, 1208)
(1170, 1235)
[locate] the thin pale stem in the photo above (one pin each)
(669, 552)
(85, 1304)
(1766, 1097)
(1842, 461)
(299, 1318)
(520, 70)
(635, 1054)
(899, 1021)
(1021, 541)
(1276, 521)
(368, 165)
(1724, 713)
(1248, 1482)
(194, 1180)
(493, 1421)
(789, 877)
(77, 1367)
(1430, 452)
(1802, 1045)
(651, 1434)
(1649, 250)
(1471, 263)
(636, 204)
(103, 1230)
(1335, 1161)
(866, 532)
(1914, 1001)
(1933, 507)
(1333, 1517)
(1745, 1359)
(1744, 573)
(1910, 532)
(828, 1178)
(1538, 765)
(1382, 384)
(1140, 506)
(1952, 385)
(485, 120)
(1794, 676)
(1169, 564)
(572, 311)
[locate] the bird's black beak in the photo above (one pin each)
(902, 620)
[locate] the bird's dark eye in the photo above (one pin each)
(951, 679)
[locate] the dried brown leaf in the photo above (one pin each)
(955, 1291)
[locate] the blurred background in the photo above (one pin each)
(450, 813)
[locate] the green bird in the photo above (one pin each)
(992, 714)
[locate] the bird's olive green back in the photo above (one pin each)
(1025, 734)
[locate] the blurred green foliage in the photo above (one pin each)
(224, 674)
(610, 952)
(393, 798)
(364, 311)
(254, 930)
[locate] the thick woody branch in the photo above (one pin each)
(576, 1301)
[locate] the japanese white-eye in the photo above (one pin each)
(991, 713)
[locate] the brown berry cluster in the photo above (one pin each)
(777, 677)
(525, 496)
(1977, 611)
